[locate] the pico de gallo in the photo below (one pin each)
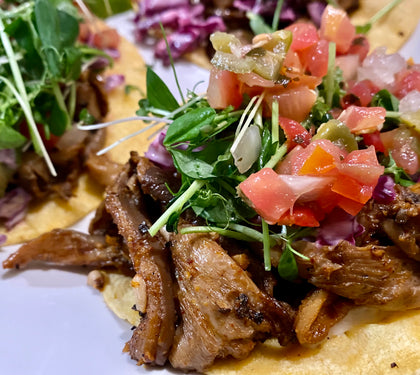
(295, 128)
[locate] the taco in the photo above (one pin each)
(79, 186)
(267, 212)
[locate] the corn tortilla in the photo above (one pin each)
(389, 343)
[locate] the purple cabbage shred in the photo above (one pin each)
(3, 239)
(338, 226)
(8, 158)
(113, 81)
(158, 153)
(185, 25)
(384, 191)
(13, 207)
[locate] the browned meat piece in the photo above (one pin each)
(102, 169)
(68, 157)
(223, 312)
(397, 222)
(373, 275)
(66, 247)
(90, 93)
(318, 312)
(155, 181)
(152, 339)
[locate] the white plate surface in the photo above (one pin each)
(51, 322)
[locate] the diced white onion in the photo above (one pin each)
(381, 67)
(410, 102)
(247, 150)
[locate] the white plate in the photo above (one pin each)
(51, 322)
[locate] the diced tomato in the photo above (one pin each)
(336, 27)
(406, 81)
(359, 46)
(295, 159)
(350, 188)
(302, 216)
(223, 89)
(374, 139)
(362, 120)
(107, 38)
(404, 146)
(305, 35)
(363, 166)
(318, 162)
(269, 195)
(49, 142)
(292, 62)
(349, 205)
(295, 133)
(295, 104)
(84, 32)
(364, 90)
(315, 58)
(348, 64)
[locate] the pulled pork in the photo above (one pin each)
(73, 153)
(202, 297)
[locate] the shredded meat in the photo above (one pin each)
(397, 223)
(74, 150)
(152, 338)
(372, 275)
(155, 181)
(223, 312)
(66, 247)
(90, 93)
(318, 312)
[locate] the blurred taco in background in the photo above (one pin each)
(74, 70)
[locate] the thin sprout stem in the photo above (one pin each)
(22, 97)
(61, 103)
(274, 121)
(281, 151)
(123, 139)
(392, 114)
(266, 245)
(176, 206)
(29, 117)
(289, 246)
(276, 16)
(331, 72)
(127, 119)
(221, 231)
(186, 105)
(383, 11)
(243, 117)
(247, 122)
(72, 101)
(252, 233)
(172, 62)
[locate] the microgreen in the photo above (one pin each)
(363, 29)
(258, 24)
(44, 60)
(399, 175)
